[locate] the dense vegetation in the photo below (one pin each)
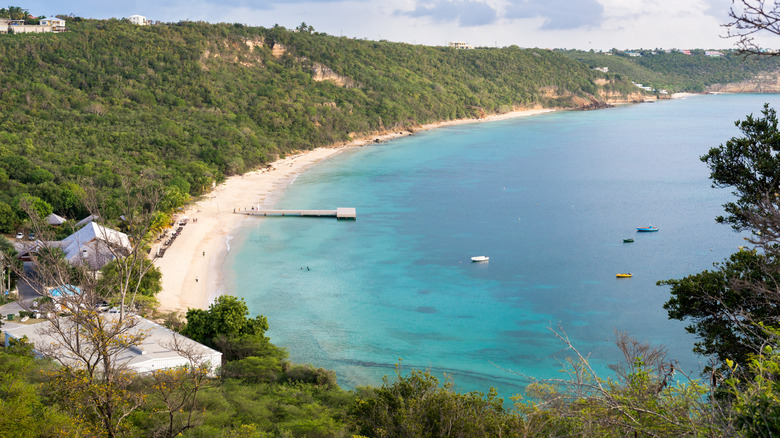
(182, 105)
(186, 104)
(676, 71)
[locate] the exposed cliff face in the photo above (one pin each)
(322, 72)
(604, 100)
(278, 50)
(233, 52)
(636, 97)
(763, 83)
(256, 42)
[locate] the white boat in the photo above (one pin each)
(480, 259)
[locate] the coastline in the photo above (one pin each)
(192, 265)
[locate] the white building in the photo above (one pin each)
(93, 245)
(55, 220)
(155, 352)
(57, 24)
(460, 45)
(140, 20)
(19, 26)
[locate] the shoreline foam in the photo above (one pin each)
(192, 266)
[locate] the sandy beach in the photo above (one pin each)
(191, 265)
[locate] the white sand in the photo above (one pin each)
(192, 279)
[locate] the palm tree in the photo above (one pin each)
(17, 13)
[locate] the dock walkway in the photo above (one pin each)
(339, 213)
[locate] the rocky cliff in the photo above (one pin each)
(762, 83)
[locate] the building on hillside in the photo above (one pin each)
(139, 20)
(55, 220)
(57, 24)
(460, 45)
(713, 53)
(634, 54)
(20, 27)
(85, 221)
(93, 245)
(156, 352)
(602, 69)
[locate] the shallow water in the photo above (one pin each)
(548, 198)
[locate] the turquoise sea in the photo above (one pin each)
(548, 198)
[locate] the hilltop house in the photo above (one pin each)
(140, 20)
(155, 352)
(57, 24)
(460, 45)
(19, 26)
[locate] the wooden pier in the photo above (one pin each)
(339, 213)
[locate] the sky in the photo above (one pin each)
(573, 24)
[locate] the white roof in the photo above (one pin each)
(86, 220)
(91, 244)
(54, 219)
(154, 353)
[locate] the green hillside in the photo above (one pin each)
(183, 105)
(190, 103)
(677, 71)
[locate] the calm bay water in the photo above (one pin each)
(548, 198)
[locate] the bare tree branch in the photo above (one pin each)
(750, 18)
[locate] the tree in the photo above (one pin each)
(416, 405)
(752, 17)
(139, 205)
(150, 284)
(727, 305)
(648, 396)
(8, 218)
(754, 385)
(227, 327)
(35, 205)
(9, 263)
(88, 344)
(23, 410)
(177, 389)
(751, 166)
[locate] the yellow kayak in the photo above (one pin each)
(624, 275)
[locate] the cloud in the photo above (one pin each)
(466, 12)
(717, 9)
(558, 14)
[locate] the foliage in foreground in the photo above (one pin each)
(756, 392)
(646, 397)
